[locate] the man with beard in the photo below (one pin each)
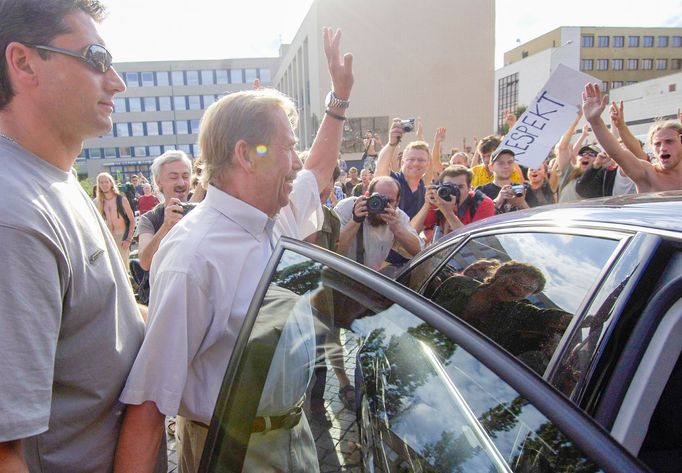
(172, 173)
(381, 230)
(665, 139)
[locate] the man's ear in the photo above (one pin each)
(20, 63)
(243, 156)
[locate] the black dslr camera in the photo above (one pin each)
(376, 203)
(446, 191)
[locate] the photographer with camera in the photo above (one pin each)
(506, 195)
(172, 173)
(372, 225)
(451, 204)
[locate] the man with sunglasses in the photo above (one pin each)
(70, 328)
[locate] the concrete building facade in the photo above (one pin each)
(614, 56)
(161, 108)
(408, 62)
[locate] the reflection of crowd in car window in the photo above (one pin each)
(497, 306)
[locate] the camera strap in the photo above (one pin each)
(359, 245)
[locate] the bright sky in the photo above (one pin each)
(139, 30)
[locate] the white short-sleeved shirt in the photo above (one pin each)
(378, 240)
(203, 278)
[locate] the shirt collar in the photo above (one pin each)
(254, 221)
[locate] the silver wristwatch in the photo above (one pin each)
(333, 101)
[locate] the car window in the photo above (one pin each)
(420, 273)
(521, 289)
(420, 401)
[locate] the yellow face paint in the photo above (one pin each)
(261, 150)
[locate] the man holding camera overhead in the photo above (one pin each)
(507, 196)
(451, 204)
(372, 225)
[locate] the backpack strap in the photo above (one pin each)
(359, 245)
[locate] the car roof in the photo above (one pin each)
(660, 211)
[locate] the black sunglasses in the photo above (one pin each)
(94, 55)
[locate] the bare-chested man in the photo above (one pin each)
(117, 213)
(665, 139)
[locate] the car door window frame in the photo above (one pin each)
(585, 434)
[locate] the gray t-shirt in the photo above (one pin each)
(69, 324)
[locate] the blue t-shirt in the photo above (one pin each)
(410, 203)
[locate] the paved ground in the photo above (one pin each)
(334, 430)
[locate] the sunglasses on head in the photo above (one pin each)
(94, 55)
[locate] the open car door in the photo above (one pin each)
(429, 393)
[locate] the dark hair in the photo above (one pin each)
(36, 22)
(336, 173)
(457, 170)
(489, 144)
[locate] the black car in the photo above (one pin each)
(544, 340)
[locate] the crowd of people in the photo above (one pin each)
(89, 375)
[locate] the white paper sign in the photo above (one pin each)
(547, 117)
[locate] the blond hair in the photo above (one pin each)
(100, 195)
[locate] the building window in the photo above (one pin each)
(120, 105)
(134, 104)
(194, 125)
(603, 41)
(132, 79)
(154, 150)
(617, 64)
(602, 64)
(676, 64)
(677, 42)
(236, 76)
(264, 75)
(149, 104)
(508, 96)
(647, 64)
(165, 104)
(616, 83)
(662, 41)
(181, 127)
(194, 102)
(208, 100)
(140, 151)
(95, 153)
(630, 82)
(152, 128)
(207, 77)
(221, 77)
(178, 78)
(187, 149)
(633, 64)
(137, 129)
(122, 129)
(124, 152)
(162, 78)
(109, 152)
(179, 102)
(586, 64)
(192, 77)
(250, 75)
(661, 64)
(587, 41)
(618, 41)
(633, 41)
(147, 79)
(648, 41)
(167, 128)
(604, 86)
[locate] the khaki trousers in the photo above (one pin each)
(191, 437)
